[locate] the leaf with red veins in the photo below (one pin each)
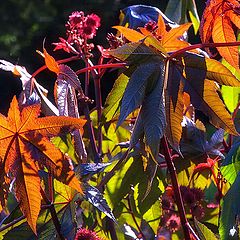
(25, 147)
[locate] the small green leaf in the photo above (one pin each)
(231, 164)
(203, 232)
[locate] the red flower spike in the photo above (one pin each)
(85, 234)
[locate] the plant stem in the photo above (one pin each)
(133, 217)
(101, 66)
(12, 223)
(201, 45)
(53, 214)
(60, 61)
(91, 133)
(97, 86)
(176, 189)
(111, 229)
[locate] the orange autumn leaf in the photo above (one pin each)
(50, 62)
(219, 22)
(165, 41)
(26, 148)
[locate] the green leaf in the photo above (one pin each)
(112, 103)
(203, 232)
(177, 11)
(231, 164)
(64, 143)
(230, 210)
(193, 14)
(231, 97)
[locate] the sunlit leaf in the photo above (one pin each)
(50, 62)
(113, 99)
(217, 26)
(208, 101)
(93, 195)
(230, 167)
(210, 69)
(23, 138)
(204, 232)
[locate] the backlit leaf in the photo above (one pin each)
(50, 62)
(25, 145)
(210, 69)
(223, 32)
(208, 101)
(113, 99)
(217, 26)
(204, 232)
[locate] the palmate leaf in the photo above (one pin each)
(136, 89)
(217, 25)
(65, 208)
(207, 100)
(210, 69)
(138, 15)
(169, 40)
(25, 146)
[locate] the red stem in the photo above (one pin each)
(176, 189)
(201, 45)
(53, 214)
(101, 66)
(59, 61)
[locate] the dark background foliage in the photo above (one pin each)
(25, 24)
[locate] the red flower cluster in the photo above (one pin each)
(80, 28)
(85, 234)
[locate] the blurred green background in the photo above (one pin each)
(26, 23)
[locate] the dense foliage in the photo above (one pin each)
(159, 159)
